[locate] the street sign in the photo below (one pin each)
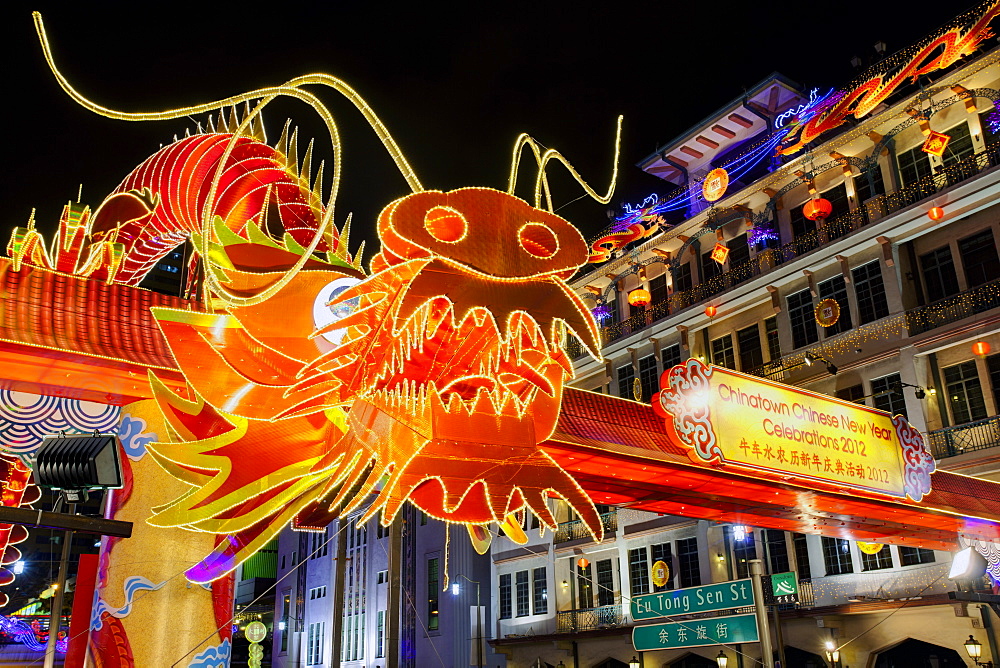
(780, 588)
(696, 632)
(706, 598)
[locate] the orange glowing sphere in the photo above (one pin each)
(817, 208)
(582, 562)
(935, 213)
(639, 297)
(981, 348)
(710, 311)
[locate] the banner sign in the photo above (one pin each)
(696, 633)
(731, 417)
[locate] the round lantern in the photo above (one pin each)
(817, 208)
(639, 297)
(981, 348)
(935, 213)
(582, 562)
(710, 311)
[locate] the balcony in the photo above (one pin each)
(577, 530)
(954, 308)
(765, 260)
(590, 619)
(963, 438)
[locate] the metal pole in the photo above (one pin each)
(479, 630)
(760, 609)
(394, 609)
(57, 602)
(340, 575)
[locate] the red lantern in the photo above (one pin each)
(639, 297)
(582, 562)
(817, 208)
(710, 311)
(981, 348)
(935, 213)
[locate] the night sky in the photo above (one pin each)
(454, 86)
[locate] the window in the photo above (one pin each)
(317, 592)
(801, 547)
(836, 288)
(584, 586)
(505, 596)
(682, 278)
(638, 571)
(959, 146)
(887, 395)
(979, 258)
(605, 583)
(800, 315)
(837, 197)
(671, 356)
(801, 225)
(773, 343)
(626, 379)
(433, 585)
(878, 561)
(286, 608)
(649, 379)
(751, 356)
(743, 551)
(314, 643)
(540, 591)
(854, 393)
(658, 289)
(837, 556)
(739, 254)
(964, 392)
(914, 165)
(938, 270)
(993, 365)
(320, 544)
(910, 556)
(709, 267)
(521, 593)
(722, 352)
(380, 531)
(380, 635)
(864, 181)
(777, 551)
(661, 552)
(870, 292)
(423, 518)
(989, 135)
(689, 562)
(383, 577)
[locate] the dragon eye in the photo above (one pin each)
(324, 314)
(538, 240)
(445, 224)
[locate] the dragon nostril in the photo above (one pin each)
(445, 224)
(538, 240)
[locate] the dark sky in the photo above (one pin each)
(454, 86)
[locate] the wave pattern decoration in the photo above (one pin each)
(26, 419)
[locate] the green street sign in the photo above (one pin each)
(696, 633)
(780, 588)
(706, 598)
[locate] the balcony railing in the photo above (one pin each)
(764, 261)
(968, 437)
(590, 619)
(954, 308)
(576, 529)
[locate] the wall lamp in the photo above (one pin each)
(810, 358)
(975, 650)
(919, 392)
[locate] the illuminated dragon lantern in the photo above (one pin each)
(315, 386)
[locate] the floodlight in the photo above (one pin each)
(77, 464)
(967, 564)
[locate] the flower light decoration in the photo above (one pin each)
(431, 376)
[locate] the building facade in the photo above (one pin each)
(908, 253)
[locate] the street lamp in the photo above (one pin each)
(722, 659)
(975, 650)
(455, 590)
(832, 653)
(634, 663)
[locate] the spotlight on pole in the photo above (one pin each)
(75, 465)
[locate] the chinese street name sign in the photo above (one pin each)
(696, 633)
(780, 588)
(706, 598)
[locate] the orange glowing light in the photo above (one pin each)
(710, 311)
(935, 213)
(639, 297)
(815, 209)
(582, 562)
(981, 348)
(720, 253)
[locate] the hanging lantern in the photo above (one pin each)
(935, 213)
(639, 297)
(817, 208)
(710, 311)
(981, 348)
(582, 562)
